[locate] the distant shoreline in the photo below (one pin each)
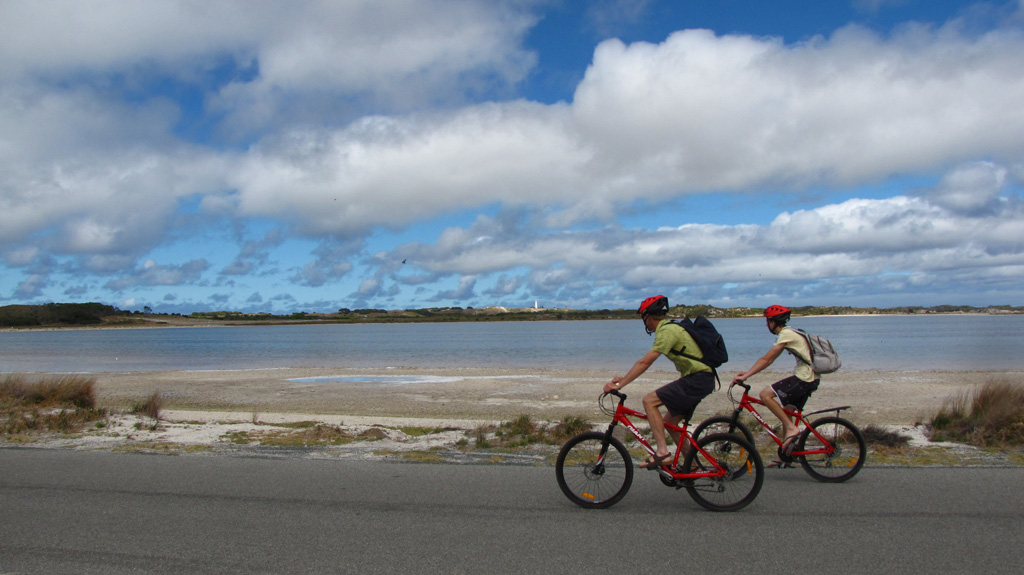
(170, 322)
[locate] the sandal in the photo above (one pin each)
(654, 461)
(789, 444)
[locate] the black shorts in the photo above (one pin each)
(682, 395)
(794, 391)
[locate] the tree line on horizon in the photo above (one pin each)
(92, 313)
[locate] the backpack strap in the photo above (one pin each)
(694, 358)
(803, 334)
(698, 360)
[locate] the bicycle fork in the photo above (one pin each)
(599, 464)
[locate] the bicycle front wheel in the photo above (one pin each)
(744, 472)
(592, 473)
(834, 465)
(723, 424)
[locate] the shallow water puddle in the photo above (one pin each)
(381, 379)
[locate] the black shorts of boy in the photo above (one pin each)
(682, 395)
(794, 391)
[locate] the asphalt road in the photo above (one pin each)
(101, 512)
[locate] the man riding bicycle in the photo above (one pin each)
(679, 397)
(793, 390)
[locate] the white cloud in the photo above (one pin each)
(971, 188)
(703, 112)
(152, 274)
(855, 240)
(695, 113)
(388, 172)
(381, 114)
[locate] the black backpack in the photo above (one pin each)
(708, 340)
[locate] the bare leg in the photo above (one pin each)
(673, 420)
(772, 403)
(677, 436)
(651, 404)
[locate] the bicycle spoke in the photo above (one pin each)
(835, 456)
(742, 477)
(586, 478)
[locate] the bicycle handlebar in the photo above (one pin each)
(729, 392)
(606, 409)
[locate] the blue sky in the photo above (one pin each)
(310, 156)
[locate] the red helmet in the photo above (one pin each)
(777, 313)
(654, 305)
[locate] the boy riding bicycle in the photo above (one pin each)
(679, 397)
(793, 390)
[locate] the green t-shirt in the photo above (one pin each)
(668, 338)
(797, 345)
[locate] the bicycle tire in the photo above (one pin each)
(843, 463)
(587, 483)
(745, 473)
(723, 424)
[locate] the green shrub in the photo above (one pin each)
(479, 435)
(570, 426)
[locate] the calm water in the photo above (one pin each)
(901, 343)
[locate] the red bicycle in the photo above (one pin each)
(830, 449)
(721, 471)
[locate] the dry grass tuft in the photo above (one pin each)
(989, 415)
(66, 390)
(150, 407)
(61, 403)
(877, 436)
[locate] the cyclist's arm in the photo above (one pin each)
(634, 372)
(763, 362)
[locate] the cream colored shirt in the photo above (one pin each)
(797, 345)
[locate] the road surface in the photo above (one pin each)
(101, 512)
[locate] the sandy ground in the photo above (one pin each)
(490, 395)
(209, 408)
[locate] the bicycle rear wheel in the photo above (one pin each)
(844, 461)
(742, 480)
(594, 474)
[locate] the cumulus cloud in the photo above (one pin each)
(850, 242)
(330, 122)
(152, 274)
(698, 112)
(701, 111)
(972, 188)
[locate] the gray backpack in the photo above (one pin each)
(824, 357)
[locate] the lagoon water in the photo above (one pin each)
(892, 343)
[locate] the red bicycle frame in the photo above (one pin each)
(669, 471)
(748, 401)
